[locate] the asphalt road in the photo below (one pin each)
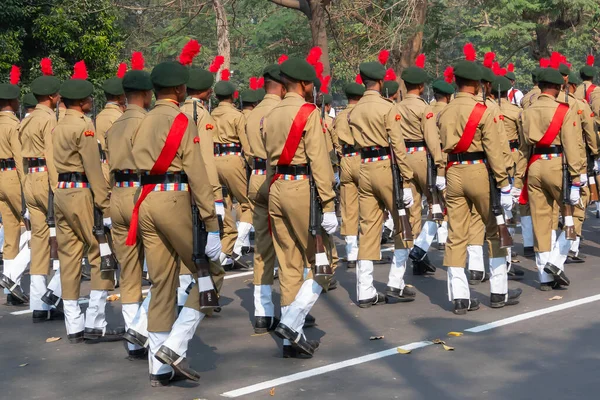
(538, 349)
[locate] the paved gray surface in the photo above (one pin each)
(553, 356)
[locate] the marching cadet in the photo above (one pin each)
(532, 95)
(231, 146)
(170, 162)
(258, 194)
(587, 73)
(115, 105)
(376, 128)
(81, 187)
(137, 88)
(327, 100)
(296, 153)
(551, 132)
(514, 95)
(421, 137)
(40, 183)
(349, 173)
(249, 100)
(29, 103)
(11, 176)
(471, 136)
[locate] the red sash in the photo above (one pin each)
(469, 132)
(546, 140)
(161, 165)
(511, 94)
(589, 91)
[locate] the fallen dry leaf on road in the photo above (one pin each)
(455, 334)
(403, 351)
(52, 339)
(438, 341)
(272, 392)
(376, 337)
(555, 298)
(260, 334)
(24, 365)
(447, 348)
(113, 297)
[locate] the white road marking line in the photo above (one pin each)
(390, 352)
(239, 275)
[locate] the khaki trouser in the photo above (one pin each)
(131, 258)
(293, 244)
(229, 226)
(349, 176)
(264, 252)
(106, 171)
(468, 191)
(10, 209)
(375, 195)
(166, 228)
(74, 214)
(36, 192)
(232, 173)
(544, 186)
(579, 210)
(476, 229)
(418, 164)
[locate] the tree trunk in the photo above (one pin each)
(318, 30)
(223, 46)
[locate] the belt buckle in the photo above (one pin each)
(459, 157)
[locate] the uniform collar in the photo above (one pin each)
(112, 105)
(271, 97)
(350, 106)
(371, 92)
(45, 108)
(74, 113)
(464, 94)
(135, 107)
(168, 103)
(225, 104)
(292, 94)
(546, 96)
(9, 114)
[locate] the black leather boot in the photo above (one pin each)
(461, 306)
(265, 324)
(509, 299)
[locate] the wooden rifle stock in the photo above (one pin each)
(437, 200)
(208, 294)
(398, 186)
(505, 238)
(26, 221)
(322, 271)
(567, 208)
(108, 262)
(592, 177)
(52, 225)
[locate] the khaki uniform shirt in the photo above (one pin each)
(36, 139)
(206, 126)
(582, 89)
(311, 150)
(148, 142)
(489, 135)
(10, 147)
(333, 145)
(373, 121)
(342, 128)
(530, 97)
(246, 112)
(231, 126)
(104, 121)
(118, 138)
(76, 150)
(589, 135)
(595, 105)
(511, 118)
(418, 124)
(254, 126)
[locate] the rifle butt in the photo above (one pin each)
(568, 223)
(407, 233)
(593, 188)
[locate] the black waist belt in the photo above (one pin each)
(164, 178)
(513, 144)
(7, 163)
(292, 169)
(72, 177)
(370, 152)
(347, 149)
(460, 157)
(420, 143)
(221, 148)
(548, 150)
(121, 176)
(259, 163)
(36, 162)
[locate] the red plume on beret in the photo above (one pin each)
(260, 82)
(225, 74)
(15, 75)
(253, 83)
(544, 62)
(216, 64)
(319, 69)
(122, 70)
(495, 68)
(390, 75)
(511, 67)
(449, 74)
(469, 51)
(590, 60)
(358, 79)
(137, 61)
(383, 57)
(46, 65)
(189, 51)
(555, 59)
(324, 84)
(314, 55)
(420, 61)
(282, 58)
(502, 71)
(79, 70)
(236, 94)
(488, 59)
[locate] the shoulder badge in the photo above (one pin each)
(398, 117)
(574, 123)
(495, 120)
(592, 115)
(197, 139)
(501, 117)
(88, 133)
(429, 115)
(579, 112)
(209, 127)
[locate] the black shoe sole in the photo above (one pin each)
(165, 359)
(463, 311)
(303, 347)
(515, 277)
(399, 299)
(134, 339)
(559, 276)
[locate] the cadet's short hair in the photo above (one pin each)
(368, 82)
(547, 85)
(411, 86)
(463, 82)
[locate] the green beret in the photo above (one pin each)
(224, 89)
(468, 70)
(487, 75)
(354, 90)
(511, 76)
(443, 87)
(113, 86)
(327, 99)
(9, 92)
(588, 72)
(317, 83)
(200, 79)
(249, 96)
(502, 84)
(373, 70)
(390, 88)
(273, 72)
(298, 69)
(564, 69)
(76, 89)
(260, 94)
(29, 100)
(137, 80)
(414, 75)
(170, 74)
(550, 75)
(535, 74)
(575, 79)
(45, 85)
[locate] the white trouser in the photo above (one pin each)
(263, 301)
(129, 312)
(95, 317)
(283, 312)
(155, 340)
(458, 287)
(140, 321)
(74, 320)
(225, 259)
(508, 258)
(498, 276)
(426, 236)
(54, 284)
(364, 280)
(20, 264)
(552, 239)
(397, 269)
(560, 251)
(24, 239)
(8, 272)
(527, 231)
(575, 246)
(243, 238)
(37, 289)
(389, 222)
(295, 314)
(351, 248)
(475, 256)
(183, 330)
(184, 283)
(540, 262)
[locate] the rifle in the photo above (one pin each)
(26, 221)
(437, 199)
(592, 175)
(108, 262)
(567, 208)
(52, 226)
(322, 271)
(398, 186)
(505, 238)
(208, 293)
(57, 110)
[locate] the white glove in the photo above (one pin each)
(330, 222)
(584, 179)
(107, 222)
(26, 215)
(506, 200)
(220, 209)
(407, 197)
(440, 182)
(596, 165)
(336, 175)
(515, 192)
(213, 246)
(574, 196)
